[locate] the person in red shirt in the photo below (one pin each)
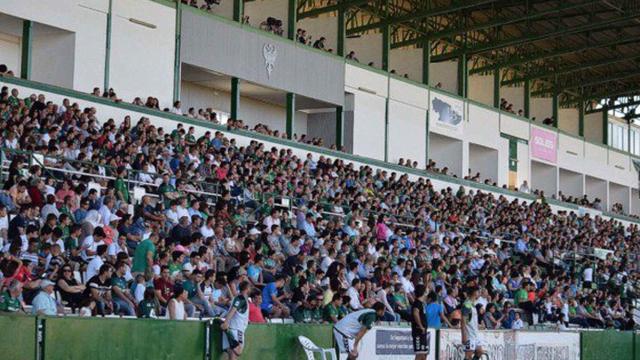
(255, 314)
(164, 286)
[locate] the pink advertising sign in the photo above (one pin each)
(543, 145)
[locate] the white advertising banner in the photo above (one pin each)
(391, 343)
(446, 112)
(515, 345)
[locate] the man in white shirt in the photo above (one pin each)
(272, 219)
(105, 209)
(90, 244)
(94, 265)
(353, 293)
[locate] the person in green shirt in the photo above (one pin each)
(308, 312)
(122, 297)
(10, 299)
(122, 191)
(144, 256)
(331, 312)
(148, 307)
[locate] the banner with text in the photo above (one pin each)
(515, 345)
(544, 145)
(391, 343)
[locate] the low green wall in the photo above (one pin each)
(131, 339)
(17, 337)
(274, 341)
(599, 345)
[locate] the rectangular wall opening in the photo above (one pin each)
(544, 177)
(571, 183)
(447, 153)
(483, 160)
(596, 189)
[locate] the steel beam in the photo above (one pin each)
(512, 60)
(606, 79)
(27, 49)
(345, 4)
(421, 14)
(567, 30)
(570, 69)
(614, 107)
(508, 20)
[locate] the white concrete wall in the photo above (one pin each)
(407, 61)
(407, 133)
(322, 26)
(368, 124)
(134, 72)
(618, 194)
(524, 170)
(10, 54)
(571, 183)
(635, 202)
(544, 177)
(481, 89)
(483, 160)
(259, 10)
(514, 95)
(593, 127)
(597, 189)
(52, 59)
(541, 108)
(224, 9)
(445, 73)
(569, 120)
(252, 111)
(447, 152)
(87, 19)
(368, 48)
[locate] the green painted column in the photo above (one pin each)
(107, 53)
(554, 107)
(339, 127)
(238, 10)
(177, 76)
(605, 127)
(386, 46)
(292, 19)
(527, 99)
(426, 60)
(291, 114)
(342, 33)
(496, 88)
(463, 75)
(235, 97)
(27, 47)
(581, 118)
(386, 130)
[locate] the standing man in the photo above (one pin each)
(235, 323)
(470, 333)
(349, 331)
(419, 331)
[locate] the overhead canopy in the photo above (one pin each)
(584, 51)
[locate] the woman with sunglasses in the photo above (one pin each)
(69, 288)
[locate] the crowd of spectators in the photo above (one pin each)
(347, 237)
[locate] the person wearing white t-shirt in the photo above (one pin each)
(90, 244)
(587, 276)
(93, 268)
(353, 293)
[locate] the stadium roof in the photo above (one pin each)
(585, 50)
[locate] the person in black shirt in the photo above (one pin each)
(418, 327)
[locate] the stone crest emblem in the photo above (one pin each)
(270, 54)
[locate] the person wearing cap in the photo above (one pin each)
(44, 303)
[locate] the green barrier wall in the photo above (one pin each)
(17, 337)
(599, 345)
(131, 339)
(274, 342)
(636, 347)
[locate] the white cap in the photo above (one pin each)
(254, 231)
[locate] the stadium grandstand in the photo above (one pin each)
(359, 179)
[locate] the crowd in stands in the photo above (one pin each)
(346, 238)
(207, 5)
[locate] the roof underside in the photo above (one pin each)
(585, 50)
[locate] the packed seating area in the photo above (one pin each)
(316, 237)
